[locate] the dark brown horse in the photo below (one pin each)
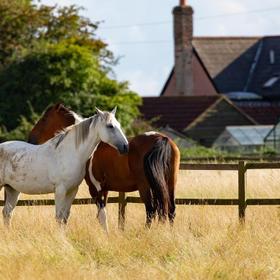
(151, 166)
(54, 119)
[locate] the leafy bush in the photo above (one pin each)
(200, 151)
(19, 133)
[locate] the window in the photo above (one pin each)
(269, 83)
(271, 57)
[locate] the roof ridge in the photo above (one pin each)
(231, 37)
(239, 109)
(254, 126)
(204, 113)
(184, 96)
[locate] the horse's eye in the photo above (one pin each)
(110, 126)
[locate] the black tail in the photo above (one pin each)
(157, 170)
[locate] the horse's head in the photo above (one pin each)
(56, 118)
(110, 131)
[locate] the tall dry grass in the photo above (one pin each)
(206, 242)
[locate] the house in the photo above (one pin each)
(201, 118)
(217, 82)
(240, 67)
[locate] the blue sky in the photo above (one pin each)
(140, 32)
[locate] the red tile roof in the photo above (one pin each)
(178, 111)
(264, 112)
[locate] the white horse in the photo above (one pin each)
(57, 166)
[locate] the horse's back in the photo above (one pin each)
(23, 165)
(10, 148)
(141, 144)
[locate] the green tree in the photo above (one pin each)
(63, 63)
(24, 25)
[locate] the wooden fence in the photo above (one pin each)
(240, 201)
(258, 158)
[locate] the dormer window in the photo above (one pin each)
(270, 82)
(271, 56)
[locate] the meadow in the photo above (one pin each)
(206, 242)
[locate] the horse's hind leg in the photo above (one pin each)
(171, 189)
(172, 207)
(147, 198)
(11, 199)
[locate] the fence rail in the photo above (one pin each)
(266, 158)
(240, 201)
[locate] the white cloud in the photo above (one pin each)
(255, 17)
(231, 6)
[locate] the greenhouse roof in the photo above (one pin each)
(274, 133)
(249, 135)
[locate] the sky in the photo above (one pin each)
(140, 33)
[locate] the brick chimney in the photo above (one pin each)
(183, 34)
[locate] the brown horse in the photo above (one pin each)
(54, 119)
(151, 166)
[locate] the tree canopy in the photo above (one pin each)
(49, 55)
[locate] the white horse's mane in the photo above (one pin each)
(81, 130)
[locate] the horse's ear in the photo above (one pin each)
(114, 111)
(99, 112)
(57, 106)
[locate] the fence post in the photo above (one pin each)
(241, 190)
(122, 205)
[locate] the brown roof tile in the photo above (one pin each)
(227, 59)
(264, 112)
(241, 63)
(178, 111)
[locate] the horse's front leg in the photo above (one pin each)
(63, 202)
(11, 199)
(101, 201)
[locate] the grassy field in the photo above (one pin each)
(206, 242)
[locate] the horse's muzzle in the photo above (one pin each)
(123, 149)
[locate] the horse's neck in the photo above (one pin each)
(89, 145)
(83, 150)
